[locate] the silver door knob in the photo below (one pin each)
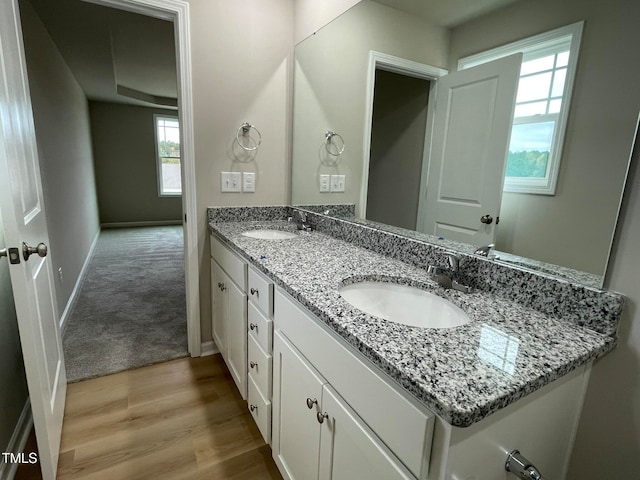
(321, 416)
(253, 407)
(253, 326)
(254, 291)
(253, 364)
(486, 219)
(311, 403)
(221, 286)
(41, 250)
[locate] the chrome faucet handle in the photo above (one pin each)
(454, 261)
(484, 250)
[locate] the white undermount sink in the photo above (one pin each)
(403, 304)
(267, 234)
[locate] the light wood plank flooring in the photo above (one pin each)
(182, 419)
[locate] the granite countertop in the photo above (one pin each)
(463, 373)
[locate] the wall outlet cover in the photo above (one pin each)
(248, 182)
(325, 183)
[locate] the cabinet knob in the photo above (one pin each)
(253, 326)
(253, 407)
(254, 291)
(311, 403)
(253, 364)
(321, 417)
(221, 286)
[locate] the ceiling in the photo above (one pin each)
(447, 13)
(123, 57)
(116, 56)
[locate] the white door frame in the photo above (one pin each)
(177, 11)
(409, 68)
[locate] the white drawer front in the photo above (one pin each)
(231, 263)
(260, 292)
(260, 328)
(260, 366)
(405, 427)
(260, 409)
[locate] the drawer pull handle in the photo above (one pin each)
(321, 417)
(253, 364)
(311, 403)
(254, 291)
(253, 326)
(221, 286)
(253, 407)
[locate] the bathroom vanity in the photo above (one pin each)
(342, 394)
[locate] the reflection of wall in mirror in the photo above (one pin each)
(600, 128)
(339, 55)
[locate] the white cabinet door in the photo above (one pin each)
(296, 430)
(236, 334)
(472, 126)
(218, 299)
(349, 450)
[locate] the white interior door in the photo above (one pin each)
(23, 215)
(472, 126)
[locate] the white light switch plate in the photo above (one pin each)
(248, 182)
(338, 183)
(325, 182)
(230, 182)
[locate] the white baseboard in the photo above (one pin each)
(76, 289)
(17, 441)
(158, 223)
(208, 348)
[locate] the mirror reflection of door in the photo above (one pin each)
(397, 145)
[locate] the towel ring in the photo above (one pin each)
(244, 129)
(328, 136)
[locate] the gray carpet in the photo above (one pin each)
(130, 310)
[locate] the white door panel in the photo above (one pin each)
(23, 216)
(474, 112)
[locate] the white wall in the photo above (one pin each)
(330, 90)
(608, 441)
(61, 116)
(241, 54)
(600, 128)
(312, 15)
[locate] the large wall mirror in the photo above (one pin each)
(390, 113)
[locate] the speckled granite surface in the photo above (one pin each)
(463, 374)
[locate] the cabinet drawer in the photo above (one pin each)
(260, 368)
(404, 426)
(260, 292)
(260, 409)
(231, 263)
(260, 328)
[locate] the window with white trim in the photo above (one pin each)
(167, 130)
(542, 105)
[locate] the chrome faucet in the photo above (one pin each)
(446, 277)
(484, 250)
(302, 222)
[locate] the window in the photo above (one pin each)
(541, 109)
(168, 155)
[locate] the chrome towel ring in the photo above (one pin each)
(244, 130)
(328, 141)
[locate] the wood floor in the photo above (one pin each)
(182, 419)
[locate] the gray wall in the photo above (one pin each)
(601, 122)
(125, 164)
(608, 440)
(61, 116)
(397, 145)
(13, 393)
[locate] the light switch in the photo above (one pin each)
(248, 182)
(337, 183)
(325, 182)
(230, 182)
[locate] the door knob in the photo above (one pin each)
(41, 250)
(486, 219)
(12, 253)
